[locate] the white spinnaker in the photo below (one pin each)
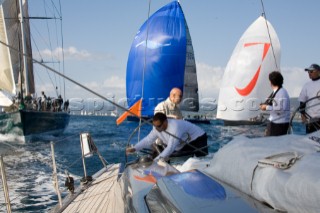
(253, 52)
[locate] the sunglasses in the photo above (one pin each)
(311, 71)
(159, 126)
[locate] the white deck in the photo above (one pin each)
(103, 195)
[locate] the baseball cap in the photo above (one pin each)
(312, 67)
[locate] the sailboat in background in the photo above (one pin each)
(245, 83)
(21, 113)
(161, 58)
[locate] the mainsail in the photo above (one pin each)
(161, 57)
(245, 82)
(12, 65)
(190, 88)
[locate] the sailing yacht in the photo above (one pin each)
(22, 113)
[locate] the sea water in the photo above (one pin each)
(29, 164)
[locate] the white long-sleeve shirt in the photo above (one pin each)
(310, 90)
(280, 109)
(184, 130)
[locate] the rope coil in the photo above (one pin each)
(281, 161)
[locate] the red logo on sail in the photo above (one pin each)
(248, 89)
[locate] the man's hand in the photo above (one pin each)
(263, 107)
(130, 150)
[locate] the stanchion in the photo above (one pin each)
(4, 184)
(55, 177)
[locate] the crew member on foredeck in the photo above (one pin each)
(178, 135)
(310, 109)
(43, 101)
(278, 105)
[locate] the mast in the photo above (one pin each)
(24, 50)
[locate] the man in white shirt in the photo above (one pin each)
(170, 106)
(178, 135)
(310, 109)
(43, 101)
(278, 104)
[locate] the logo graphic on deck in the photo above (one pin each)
(250, 86)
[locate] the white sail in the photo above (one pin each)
(245, 82)
(10, 33)
(7, 81)
(5, 99)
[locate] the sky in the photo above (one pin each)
(97, 37)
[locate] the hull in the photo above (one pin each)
(198, 121)
(25, 122)
(239, 123)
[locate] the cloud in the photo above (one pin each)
(71, 53)
(209, 80)
(112, 86)
(114, 82)
(294, 79)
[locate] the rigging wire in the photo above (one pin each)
(38, 50)
(50, 43)
(145, 64)
(265, 16)
(58, 52)
(73, 81)
(59, 57)
(84, 87)
(62, 47)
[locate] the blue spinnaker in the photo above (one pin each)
(157, 57)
